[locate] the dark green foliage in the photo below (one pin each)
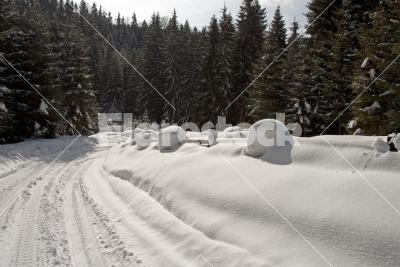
(377, 110)
(250, 42)
(270, 91)
(200, 72)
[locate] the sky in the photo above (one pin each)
(198, 12)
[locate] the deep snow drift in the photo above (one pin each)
(195, 205)
(218, 198)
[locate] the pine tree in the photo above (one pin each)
(173, 66)
(251, 26)
(22, 108)
(211, 69)
(377, 111)
(200, 95)
(296, 110)
(79, 104)
(225, 74)
(154, 70)
(6, 114)
(270, 92)
(191, 55)
(319, 63)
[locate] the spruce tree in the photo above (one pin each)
(225, 73)
(296, 110)
(154, 70)
(270, 92)
(211, 70)
(319, 64)
(173, 65)
(376, 111)
(79, 104)
(251, 26)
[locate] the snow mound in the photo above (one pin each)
(204, 203)
(268, 138)
(3, 107)
(171, 138)
(137, 132)
(396, 142)
(145, 138)
(129, 142)
(380, 147)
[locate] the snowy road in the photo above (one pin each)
(106, 207)
(48, 220)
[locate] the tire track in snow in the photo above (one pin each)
(27, 249)
(79, 228)
(155, 234)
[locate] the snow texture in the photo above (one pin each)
(218, 202)
(396, 142)
(380, 147)
(43, 107)
(3, 107)
(146, 138)
(365, 63)
(216, 213)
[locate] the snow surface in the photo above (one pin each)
(3, 107)
(43, 107)
(150, 208)
(396, 142)
(365, 63)
(380, 147)
(204, 206)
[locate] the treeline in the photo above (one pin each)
(202, 73)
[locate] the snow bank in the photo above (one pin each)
(145, 138)
(329, 203)
(15, 155)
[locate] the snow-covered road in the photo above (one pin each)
(120, 206)
(47, 218)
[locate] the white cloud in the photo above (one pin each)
(198, 12)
